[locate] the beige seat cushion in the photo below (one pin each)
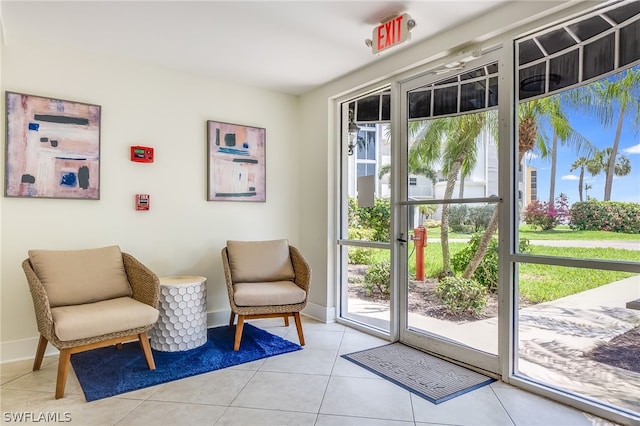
(74, 277)
(268, 293)
(95, 319)
(260, 261)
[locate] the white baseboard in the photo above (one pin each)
(17, 350)
(321, 313)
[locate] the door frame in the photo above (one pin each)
(439, 345)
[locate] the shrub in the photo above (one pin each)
(378, 278)
(461, 295)
(361, 255)
(430, 223)
(545, 216)
(612, 216)
(480, 217)
(467, 219)
(459, 219)
(376, 218)
(487, 272)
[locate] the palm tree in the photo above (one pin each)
(611, 99)
(529, 113)
(563, 133)
(583, 163)
(601, 160)
(451, 141)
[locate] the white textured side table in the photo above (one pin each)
(182, 323)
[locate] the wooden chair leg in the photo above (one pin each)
(286, 320)
(42, 346)
(63, 369)
(232, 319)
(146, 349)
(239, 327)
(296, 315)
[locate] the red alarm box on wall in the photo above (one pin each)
(142, 201)
(142, 154)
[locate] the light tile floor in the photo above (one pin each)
(314, 386)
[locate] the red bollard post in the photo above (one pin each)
(420, 242)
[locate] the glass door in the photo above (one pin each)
(365, 214)
(449, 204)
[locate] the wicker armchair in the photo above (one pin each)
(112, 298)
(265, 279)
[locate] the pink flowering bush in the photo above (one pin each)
(545, 216)
(611, 216)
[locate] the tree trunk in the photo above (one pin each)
(524, 129)
(611, 167)
(552, 179)
(581, 182)
(483, 245)
(444, 223)
(461, 188)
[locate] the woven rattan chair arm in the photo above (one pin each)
(227, 277)
(301, 269)
(40, 302)
(144, 283)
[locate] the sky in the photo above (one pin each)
(626, 188)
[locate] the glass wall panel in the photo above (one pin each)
(577, 262)
(569, 192)
(577, 331)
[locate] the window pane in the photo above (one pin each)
(575, 331)
(556, 41)
(493, 92)
(625, 12)
(532, 81)
(581, 201)
(386, 107)
(529, 52)
(472, 74)
(368, 109)
(472, 96)
(588, 28)
(419, 104)
(445, 100)
(629, 45)
(599, 57)
(563, 70)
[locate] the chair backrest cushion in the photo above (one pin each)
(75, 277)
(260, 261)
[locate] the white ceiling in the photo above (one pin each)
(287, 46)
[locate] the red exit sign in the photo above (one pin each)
(391, 33)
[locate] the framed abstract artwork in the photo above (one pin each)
(52, 148)
(236, 163)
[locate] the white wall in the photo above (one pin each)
(182, 233)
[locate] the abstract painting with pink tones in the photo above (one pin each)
(52, 148)
(236, 164)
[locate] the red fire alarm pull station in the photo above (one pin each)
(142, 154)
(142, 201)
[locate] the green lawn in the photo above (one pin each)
(542, 283)
(562, 232)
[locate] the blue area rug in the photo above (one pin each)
(105, 372)
(432, 378)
